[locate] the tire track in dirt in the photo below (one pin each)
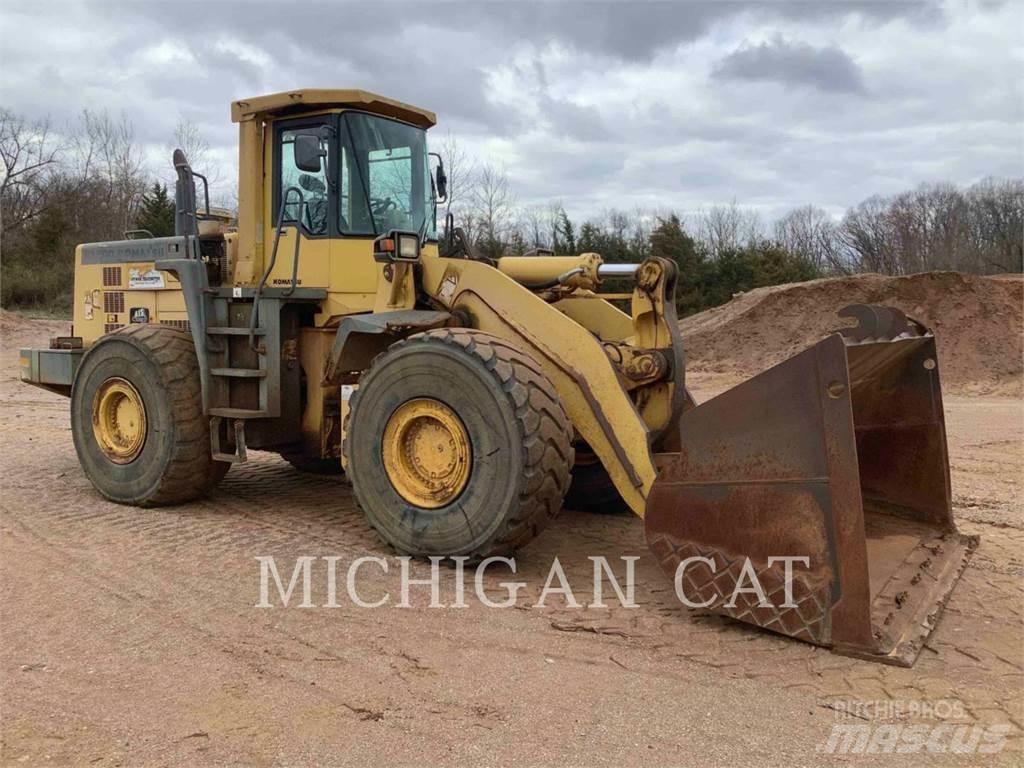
(128, 556)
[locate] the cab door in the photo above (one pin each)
(354, 273)
(306, 203)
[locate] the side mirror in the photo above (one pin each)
(308, 153)
(440, 179)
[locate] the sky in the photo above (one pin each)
(659, 105)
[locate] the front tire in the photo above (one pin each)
(137, 418)
(458, 446)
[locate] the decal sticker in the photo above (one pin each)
(448, 285)
(139, 315)
(150, 280)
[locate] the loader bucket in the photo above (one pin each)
(837, 455)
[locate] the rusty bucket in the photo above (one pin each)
(832, 466)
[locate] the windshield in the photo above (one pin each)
(385, 178)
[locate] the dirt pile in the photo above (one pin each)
(977, 321)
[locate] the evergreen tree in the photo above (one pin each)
(670, 241)
(588, 241)
(565, 229)
(156, 212)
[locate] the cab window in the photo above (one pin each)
(312, 186)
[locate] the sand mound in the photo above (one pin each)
(977, 322)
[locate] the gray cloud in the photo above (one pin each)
(793, 63)
(597, 103)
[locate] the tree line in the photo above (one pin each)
(89, 182)
(725, 249)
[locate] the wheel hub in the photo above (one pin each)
(119, 420)
(427, 454)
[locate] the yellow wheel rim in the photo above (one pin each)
(427, 454)
(119, 420)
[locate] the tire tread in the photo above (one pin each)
(544, 429)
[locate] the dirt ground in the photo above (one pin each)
(130, 637)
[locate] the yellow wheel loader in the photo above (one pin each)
(461, 395)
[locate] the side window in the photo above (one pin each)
(313, 187)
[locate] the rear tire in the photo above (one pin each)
(156, 367)
(496, 441)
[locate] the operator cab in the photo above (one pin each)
(360, 175)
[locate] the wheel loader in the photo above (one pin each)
(463, 395)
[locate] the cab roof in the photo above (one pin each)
(309, 99)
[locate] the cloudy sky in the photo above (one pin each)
(662, 105)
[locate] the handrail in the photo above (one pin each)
(273, 260)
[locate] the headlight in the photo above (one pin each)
(397, 246)
(408, 247)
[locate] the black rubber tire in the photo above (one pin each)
(175, 464)
(519, 433)
(312, 465)
(592, 490)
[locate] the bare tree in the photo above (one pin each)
(189, 138)
(867, 233)
(995, 208)
(937, 226)
(492, 203)
(459, 168)
(29, 155)
(107, 155)
(727, 227)
(535, 228)
(810, 233)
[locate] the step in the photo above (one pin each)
(239, 373)
(238, 413)
(229, 331)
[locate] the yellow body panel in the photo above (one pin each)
(319, 98)
(104, 297)
(573, 359)
(250, 202)
(317, 428)
(597, 315)
(575, 271)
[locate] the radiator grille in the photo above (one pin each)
(111, 327)
(181, 325)
(112, 276)
(113, 301)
